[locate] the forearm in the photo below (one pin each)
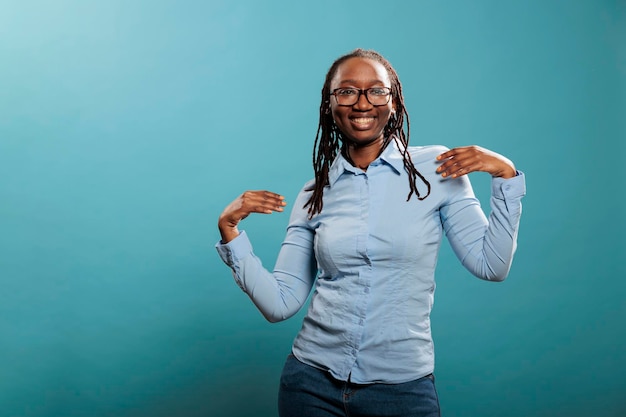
(491, 256)
(486, 247)
(278, 294)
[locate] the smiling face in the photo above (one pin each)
(361, 124)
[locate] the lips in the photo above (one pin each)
(362, 122)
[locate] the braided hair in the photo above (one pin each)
(329, 140)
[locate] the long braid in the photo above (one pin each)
(328, 141)
(395, 129)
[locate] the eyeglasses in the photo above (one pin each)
(377, 96)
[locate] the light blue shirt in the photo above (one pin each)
(374, 256)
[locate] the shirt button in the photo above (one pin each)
(354, 351)
(367, 290)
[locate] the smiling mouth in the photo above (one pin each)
(362, 121)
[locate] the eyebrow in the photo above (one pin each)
(355, 81)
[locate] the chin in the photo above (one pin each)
(362, 140)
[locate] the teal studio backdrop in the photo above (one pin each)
(126, 127)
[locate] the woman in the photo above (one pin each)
(366, 232)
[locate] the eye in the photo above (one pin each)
(346, 91)
(378, 91)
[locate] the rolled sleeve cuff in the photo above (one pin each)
(235, 250)
(511, 188)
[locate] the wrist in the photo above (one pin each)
(506, 172)
(228, 234)
(228, 231)
(509, 174)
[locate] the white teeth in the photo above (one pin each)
(363, 120)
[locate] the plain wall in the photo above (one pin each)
(126, 127)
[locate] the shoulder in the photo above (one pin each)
(305, 193)
(308, 187)
(423, 157)
(425, 154)
(425, 160)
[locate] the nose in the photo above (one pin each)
(362, 103)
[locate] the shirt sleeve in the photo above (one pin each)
(485, 246)
(279, 294)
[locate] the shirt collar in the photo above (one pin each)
(390, 156)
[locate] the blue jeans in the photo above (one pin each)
(309, 392)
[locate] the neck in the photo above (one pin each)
(362, 156)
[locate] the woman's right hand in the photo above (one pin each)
(264, 202)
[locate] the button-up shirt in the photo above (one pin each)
(371, 256)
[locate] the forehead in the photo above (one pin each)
(360, 70)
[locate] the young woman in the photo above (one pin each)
(366, 233)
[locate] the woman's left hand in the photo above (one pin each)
(461, 161)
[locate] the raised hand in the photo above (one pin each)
(264, 202)
(461, 161)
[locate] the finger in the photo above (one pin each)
(456, 164)
(451, 170)
(467, 159)
(263, 195)
(261, 202)
(460, 170)
(278, 199)
(449, 160)
(454, 152)
(461, 166)
(267, 208)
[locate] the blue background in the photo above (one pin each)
(126, 127)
